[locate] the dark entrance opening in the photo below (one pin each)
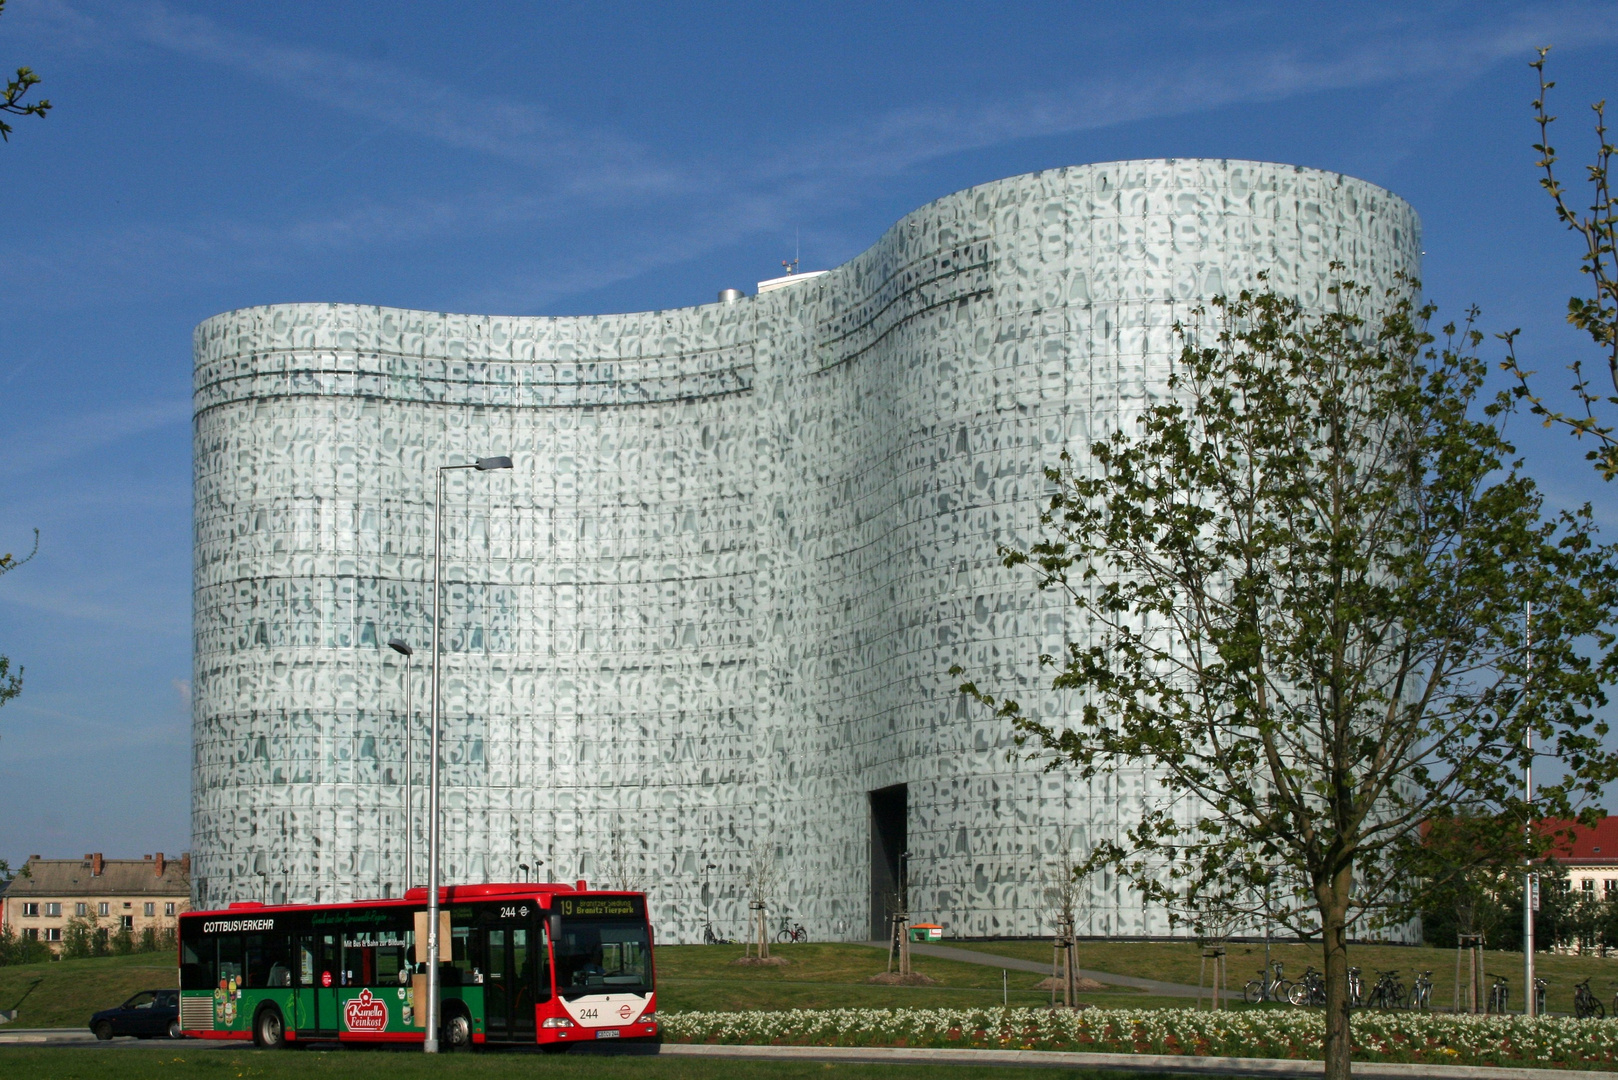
(888, 807)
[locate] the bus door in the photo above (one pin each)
(512, 952)
(325, 979)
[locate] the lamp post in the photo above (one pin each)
(1529, 997)
(430, 1019)
(398, 646)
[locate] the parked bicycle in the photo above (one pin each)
(711, 938)
(1421, 991)
(790, 933)
(1271, 985)
(1539, 996)
(1356, 988)
(1585, 1004)
(1499, 994)
(1389, 992)
(1310, 989)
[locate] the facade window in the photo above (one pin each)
(127, 905)
(53, 933)
(30, 933)
(151, 909)
(1588, 884)
(128, 922)
(30, 910)
(81, 909)
(54, 911)
(102, 909)
(168, 909)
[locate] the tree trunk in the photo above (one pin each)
(1333, 901)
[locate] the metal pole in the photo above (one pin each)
(410, 802)
(1529, 1003)
(430, 1044)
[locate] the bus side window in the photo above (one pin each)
(266, 961)
(306, 962)
(199, 965)
(466, 964)
(393, 961)
(230, 960)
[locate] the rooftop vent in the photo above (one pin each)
(730, 296)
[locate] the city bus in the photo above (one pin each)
(519, 964)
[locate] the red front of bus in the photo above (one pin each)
(602, 980)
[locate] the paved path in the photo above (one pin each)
(1125, 1063)
(972, 956)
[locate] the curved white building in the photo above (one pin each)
(705, 624)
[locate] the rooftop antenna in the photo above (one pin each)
(792, 267)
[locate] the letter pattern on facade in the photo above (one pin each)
(716, 601)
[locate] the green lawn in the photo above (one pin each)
(185, 1063)
(70, 990)
(689, 977)
(834, 976)
(1178, 962)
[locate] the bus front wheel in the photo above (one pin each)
(457, 1034)
(268, 1030)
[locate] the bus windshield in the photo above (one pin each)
(602, 956)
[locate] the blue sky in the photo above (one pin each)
(564, 159)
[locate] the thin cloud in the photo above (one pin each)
(437, 108)
(569, 174)
(34, 450)
(904, 138)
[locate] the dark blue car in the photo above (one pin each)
(148, 1014)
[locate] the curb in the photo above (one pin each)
(45, 1036)
(1051, 1059)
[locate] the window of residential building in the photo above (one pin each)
(102, 908)
(151, 909)
(30, 909)
(1589, 884)
(128, 922)
(53, 910)
(31, 933)
(53, 933)
(168, 909)
(127, 905)
(81, 909)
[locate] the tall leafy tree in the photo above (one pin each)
(1305, 577)
(17, 89)
(1596, 313)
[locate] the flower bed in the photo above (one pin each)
(1265, 1033)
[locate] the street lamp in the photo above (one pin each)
(430, 1020)
(398, 646)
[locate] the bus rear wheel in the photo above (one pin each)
(268, 1030)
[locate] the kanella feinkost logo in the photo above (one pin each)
(366, 1013)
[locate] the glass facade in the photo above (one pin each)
(714, 605)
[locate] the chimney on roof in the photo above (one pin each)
(95, 864)
(33, 858)
(185, 863)
(159, 864)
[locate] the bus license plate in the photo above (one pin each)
(608, 1033)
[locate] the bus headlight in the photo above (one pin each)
(558, 1022)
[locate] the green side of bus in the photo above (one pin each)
(316, 1009)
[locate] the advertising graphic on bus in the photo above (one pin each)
(548, 964)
